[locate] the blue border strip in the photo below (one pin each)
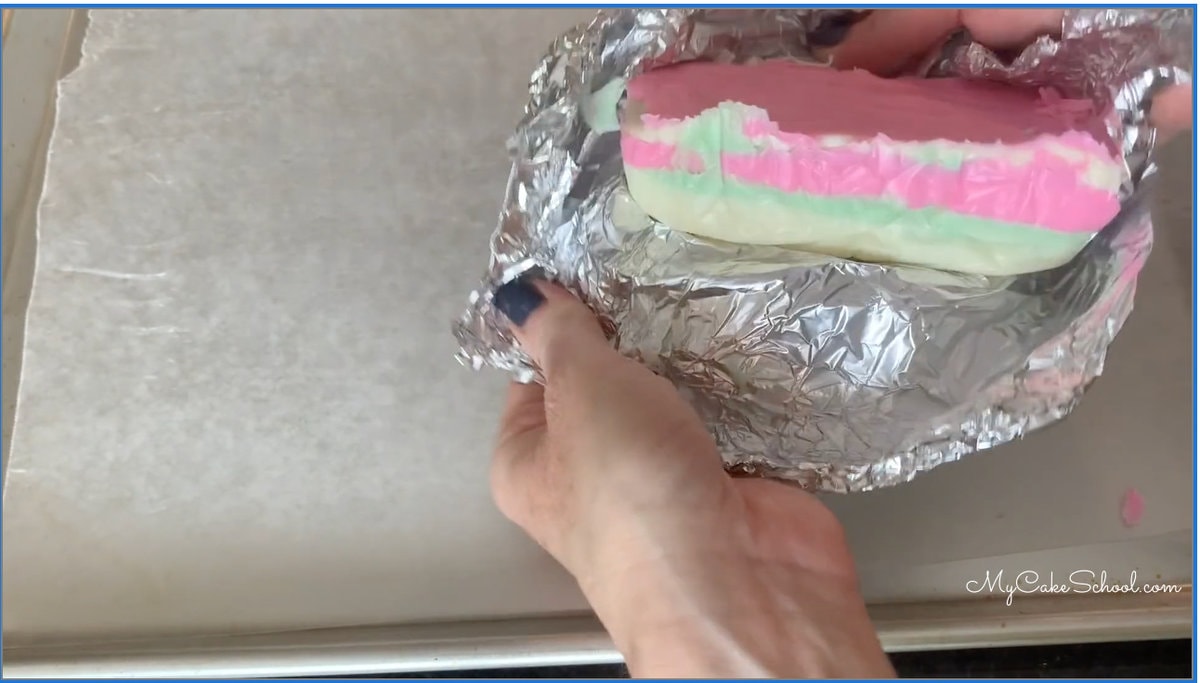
(556, 5)
(1195, 361)
(582, 5)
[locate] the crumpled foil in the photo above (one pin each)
(840, 375)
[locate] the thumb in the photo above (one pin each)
(551, 325)
(1171, 110)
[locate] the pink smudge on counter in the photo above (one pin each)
(1133, 506)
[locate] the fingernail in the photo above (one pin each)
(518, 299)
(832, 31)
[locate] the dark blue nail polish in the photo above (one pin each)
(518, 299)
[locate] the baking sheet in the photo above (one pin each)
(239, 410)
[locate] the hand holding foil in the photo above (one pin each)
(693, 573)
(838, 374)
(891, 42)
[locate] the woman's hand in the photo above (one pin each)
(693, 572)
(890, 42)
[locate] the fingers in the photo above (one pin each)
(524, 416)
(1011, 29)
(552, 325)
(1171, 111)
(522, 431)
(889, 41)
(613, 408)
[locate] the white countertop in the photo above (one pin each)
(239, 410)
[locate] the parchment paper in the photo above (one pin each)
(239, 408)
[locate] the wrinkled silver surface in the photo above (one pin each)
(841, 375)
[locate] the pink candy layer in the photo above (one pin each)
(822, 101)
(1045, 192)
(757, 128)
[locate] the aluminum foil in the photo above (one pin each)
(840, 375)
